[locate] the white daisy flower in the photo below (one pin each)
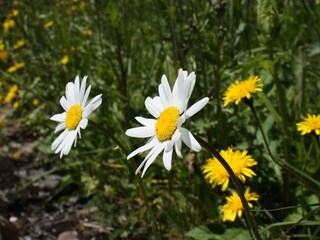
(77, 110)
(170, 111)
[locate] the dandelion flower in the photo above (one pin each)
(87, 32)
(64, 60)
(15, 67)
(12, 94)
(77, 110)
(309, 124)
(240, 163)
(36, 102)
(13, 13)
(48, 24)
(8, 24)
(4, 55)
(16, 104)
(239, 90)
(18, 44)
(165, 131)
(234, 208)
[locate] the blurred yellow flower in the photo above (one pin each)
(13, 13)
(64, 60)
(16, 154)
(2, 121)
(4, 55)
(18, 44)
(16, 104)
(234, 208)
(35, 102)
(239, 162)
(8, 24)
(12, 94)
(243, 89)
(2, 48)
(87, 32)
(15, 67)
(310, 123)
(48, 24)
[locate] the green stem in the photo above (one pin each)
(133, 166)
(250, 219)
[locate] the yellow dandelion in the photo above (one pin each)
(4, 56)
(15, 67)
(8, 24)
(240, 163)
(35, 102)
(243, 89)
(234, 208)
(15, 104)
(13, 13)
(64, 60)
(9, 97)
(16, 154)
(12, 94)
(310, 123)
(14, 88)
(2, 47)
(48, 24)
(18, 44)
(87, 32)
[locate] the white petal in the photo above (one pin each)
(95, 102)
(59, 139)
(140, 132)
(153, 157)
(83, 123)
(70, 93)
(189, 140)
(165, 92)
(87, 111)
(64, 103)
(71, 137)
(192, 80)
(61, 117)
(86, 95)
(153, 110)
(83, 88)
(167, 158)
(147, 146)
(146, 121)
(152, 151)
(177, 148)
(157, 102)
(60, 127)
(196, 107)
(77, 90)
(177, 89)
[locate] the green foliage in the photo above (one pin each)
(133, 43)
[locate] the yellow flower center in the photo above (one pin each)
(167, 123)
(74, 116)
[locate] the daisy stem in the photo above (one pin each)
(295, 171)
(250, 219)
(110, 135)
